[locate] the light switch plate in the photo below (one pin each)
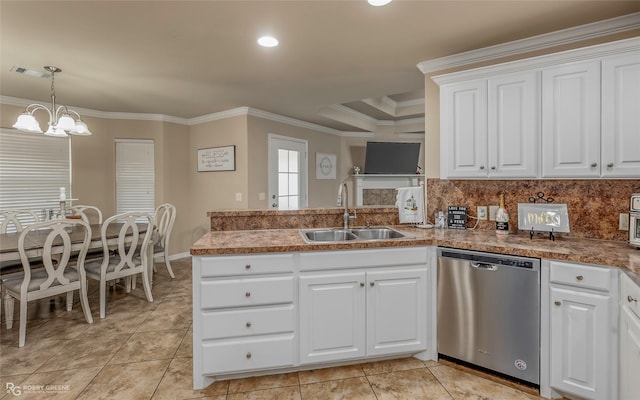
(239, 196)
(482, 212)
(493, 210)
(623, 225)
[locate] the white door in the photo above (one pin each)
(332, 317)
(396, 311)
(463, 137)
(571, 120)
(579, 339)
(514, 125)
(621, 116)
(287, 173)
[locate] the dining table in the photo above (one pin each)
(35, 241)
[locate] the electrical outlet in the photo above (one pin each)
(482, 212)
(493, 210)
(238, 196)
(623, 225)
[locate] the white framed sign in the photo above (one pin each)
(325, 166)
(217, 159)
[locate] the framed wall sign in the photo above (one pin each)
(325, 166)
(217, 159)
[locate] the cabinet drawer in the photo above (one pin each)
(246, 292)
(247, 322)
(629, 294)
(580, 275)
(245, 355)
(246, 265)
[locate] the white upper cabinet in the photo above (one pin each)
(571, 120)
(573, 114)
(463, 115)
(514, 120)
(621, 116)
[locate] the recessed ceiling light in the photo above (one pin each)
(267, 41)
(379, 3)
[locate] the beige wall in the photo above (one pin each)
(432, 95)
(322, 192)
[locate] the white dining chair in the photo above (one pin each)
(16, 220)
(89, 214)
(127, 260)
(62, 273)
(164, 218)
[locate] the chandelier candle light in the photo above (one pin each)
(61, 123)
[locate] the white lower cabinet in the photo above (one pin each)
(629, 339)
(352, 315)
(583, 323)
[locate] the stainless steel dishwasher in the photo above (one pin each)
(489, 311)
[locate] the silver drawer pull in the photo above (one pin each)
(557, 303)
(248, 355)
(248, 324)
(248, 294)
(579, 277)
(610, 165)
(372, 284)
(361, 284)
(593, 165)
(482, 167)
(248, 266)
(631, 299)
(493, 167)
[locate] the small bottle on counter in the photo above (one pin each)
(502, 219)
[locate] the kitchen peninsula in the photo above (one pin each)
(267, 301)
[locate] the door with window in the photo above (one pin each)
(287, 173)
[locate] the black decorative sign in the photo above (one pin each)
(457, 217)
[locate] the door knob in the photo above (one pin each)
(361, 284)
(579, 277)
(248, 324)
(557, 303)
(249, 355)
(372, 284)
(248, 294)
(248, 266)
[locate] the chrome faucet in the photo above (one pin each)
(343, 199)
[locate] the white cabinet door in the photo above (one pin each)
(332, 317)
(514, 125)
(579, 343)
(629, 355)
(571, 120)
(463, 135)
(396, 311)
(621, 116)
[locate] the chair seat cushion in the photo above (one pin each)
(93, 267)
(37, 278)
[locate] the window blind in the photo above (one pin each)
(33, 168)
(135, 177)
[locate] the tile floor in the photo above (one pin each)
(143, 350)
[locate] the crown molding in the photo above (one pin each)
(358, 134)
(254, 112)
(411, 135)
(234, 112)
(574, 55)
(539, 42)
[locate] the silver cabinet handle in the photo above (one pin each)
(557, 303)
(610, 165)
(249, 355)
(248, 266)
(248, 294)
(579, 277)
(631, 299)
(372, 284)
(248, 324)
(593, 165)
(482, 167)
(493, 167)
(361, 284)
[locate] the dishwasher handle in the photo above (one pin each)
(484, 266)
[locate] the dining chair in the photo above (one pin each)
(164, 217)
(89, 214)
(16, 220)
(62, 273)
(128, 259)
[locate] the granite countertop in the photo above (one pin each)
(589, 251)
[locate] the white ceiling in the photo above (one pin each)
(192, 58)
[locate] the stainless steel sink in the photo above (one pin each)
(339, 235)
(327, 235)
(377, 233)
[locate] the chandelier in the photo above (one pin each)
(61, 122)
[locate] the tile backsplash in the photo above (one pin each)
(594, 205)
